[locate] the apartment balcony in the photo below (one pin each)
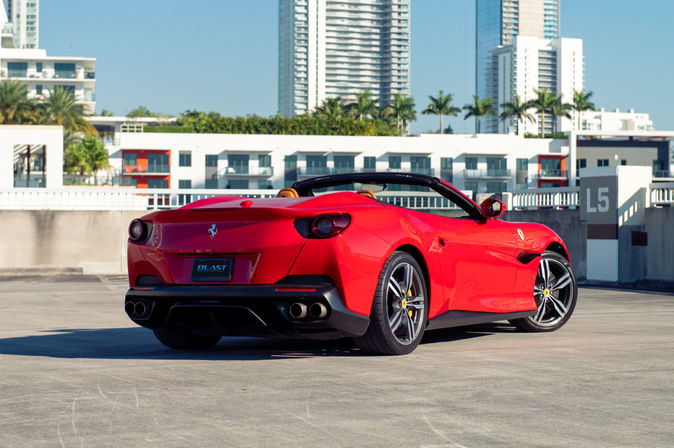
(248, 171)
(552, 174)
(424, 171)
(487, 174)
(150, 170)
(662, 175)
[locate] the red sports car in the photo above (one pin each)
(380, 257)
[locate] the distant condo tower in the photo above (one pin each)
(25, 18)
(330, 48)
(497, 23)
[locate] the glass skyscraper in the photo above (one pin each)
(497, 22)
(330, 48)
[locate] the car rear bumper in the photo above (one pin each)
(245, 309)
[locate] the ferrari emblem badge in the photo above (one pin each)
(212, 231)
(520, 233)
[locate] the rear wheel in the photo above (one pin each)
(399, 308)
(184, 341)
(555, 293)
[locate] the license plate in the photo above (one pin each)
(212, 269)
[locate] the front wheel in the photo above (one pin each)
(555, 293)
(399, 308)
(184, 341)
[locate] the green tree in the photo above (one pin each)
(331, 108)
(365, 106)
(518, 110)
(479, 108)
(559, 109)
(141, 112)
(402, 108)
(61, 107)
(581, 103)
(543, 103)
(107, 113)
(87, 156)
(15, 106)
(441, 105)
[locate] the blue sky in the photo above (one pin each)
(221, 55)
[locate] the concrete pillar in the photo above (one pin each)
(612, 201)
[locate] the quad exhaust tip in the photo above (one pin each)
(298, 311)
(316, 310)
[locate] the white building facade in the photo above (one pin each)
(611, 121)
(330, 48)
(498, 23)
(42, 73)
(531, 63)
(24, 16)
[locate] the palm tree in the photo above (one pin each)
(479, 109)
(581, 103)
(402, 108)
(15, 106)
(559, 109)
(331, 108)
(518, 110)
(87, 156)
(543, 103)
(61, 107)
(364, 106)
(441, 105)
(107, 113)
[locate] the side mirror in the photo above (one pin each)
(492, 208)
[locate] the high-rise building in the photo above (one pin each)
(330, 48)
(25, 18)
(497, 23)
(529, 63)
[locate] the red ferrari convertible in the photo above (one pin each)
(379, 257)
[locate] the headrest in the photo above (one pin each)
(287, 193)
(367, 193)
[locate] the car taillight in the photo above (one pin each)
(139, 230)
(326, 226)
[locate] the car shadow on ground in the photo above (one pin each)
(140, 343)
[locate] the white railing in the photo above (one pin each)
(662, 193)
(107, 198)
(561, 197)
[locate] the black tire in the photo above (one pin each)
(555, 292)
(397, 323)
(184, 341)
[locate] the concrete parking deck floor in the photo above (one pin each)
(75, 372)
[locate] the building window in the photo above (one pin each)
(264, 160)
(420, 165)
(238, 184)
(496, 187)
(157, 163)
(522, 164)
(344, 164)
(184, 183)
(394, 162)
(212, 183)
(370, 163)
(17, 69)
(581, 163)
(317, 165)
(447, 169)
(38, 67)
(157, 183)
(64, 70)
(623, 162)
(551, 167)
(602, 162)
(470, 186)
(185, 158)
(237, 163)
(130, 159)
(471, 163)
(290, 175)
(264, 185)
(211, 160)
(497, 166)
(38, 89)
